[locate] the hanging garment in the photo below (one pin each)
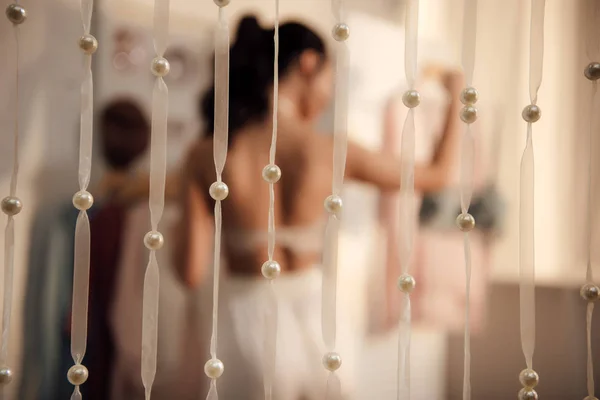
(299, 373)
(46, 352)
(106, 233)
(180, 355)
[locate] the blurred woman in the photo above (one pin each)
(305, 158)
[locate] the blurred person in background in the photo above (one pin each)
(305, 158)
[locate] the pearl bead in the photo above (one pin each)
(411, 98)
(83, 200)
(271, 173)
(332, 361)
(468, 114)
(341, 32)
(6, 376)
(406, 283)
(592, 71)
(154, 240)
(16, 14)
(469, 96)
(271, 269)
(532, 113)
(333, 204)
(527, 394)
(11, 205)
(77, 374)
(465, 222)
(160, 66)
(218, 191)
(590, 292)
(221, 3)
(529, 378)
(214, 368)
(88, 44)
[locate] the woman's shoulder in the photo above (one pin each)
(199, 158)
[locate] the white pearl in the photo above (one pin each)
(77, 374)
(469, 96)
(6, 376)
(154, 240)
(468, 114)
(411, 98)
(83, 200)
(341, 32)
(11, 205)
(271, 173)
(16, 14)
(592, 71)
(222, 3)
(88, 44)
(218, 191)
(271, 269)
(531, 113)
(160, 66)
(465, 222)
(333, 204)
(529, 378)
(406, 283)
(590, 292)
(332, 361)
(528, 394)
(214, 368)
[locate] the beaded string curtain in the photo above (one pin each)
(590, 291)
(406, 283)
(531, 113)
(218, 190)
(83, 200)
(333, 203)
(465, 221)
(11, 206)
(154, 240)
(271, 269)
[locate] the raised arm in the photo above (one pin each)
(193, 248)
(383, 170)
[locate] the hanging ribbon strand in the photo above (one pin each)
(83, 200)
(465, 221)
(219, 191)
(154, 240)
(271, 269)
(531, 113)
(590, 291)
(11, 205)
(406, 283)
(332, 361)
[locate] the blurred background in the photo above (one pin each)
(49, 101)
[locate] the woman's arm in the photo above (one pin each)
(383, 170)
(193, 250)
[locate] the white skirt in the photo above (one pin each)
(299, 373)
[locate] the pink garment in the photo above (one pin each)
(429, 123)
(440, 300)
(438, 259)
(181, 356)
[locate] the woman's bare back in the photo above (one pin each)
(305, 161)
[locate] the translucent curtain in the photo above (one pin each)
(156, 201)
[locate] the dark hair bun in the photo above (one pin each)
(248, 28)
(251, 69)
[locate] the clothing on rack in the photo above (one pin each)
(46, 353)
(181, 356)
(106, 232)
